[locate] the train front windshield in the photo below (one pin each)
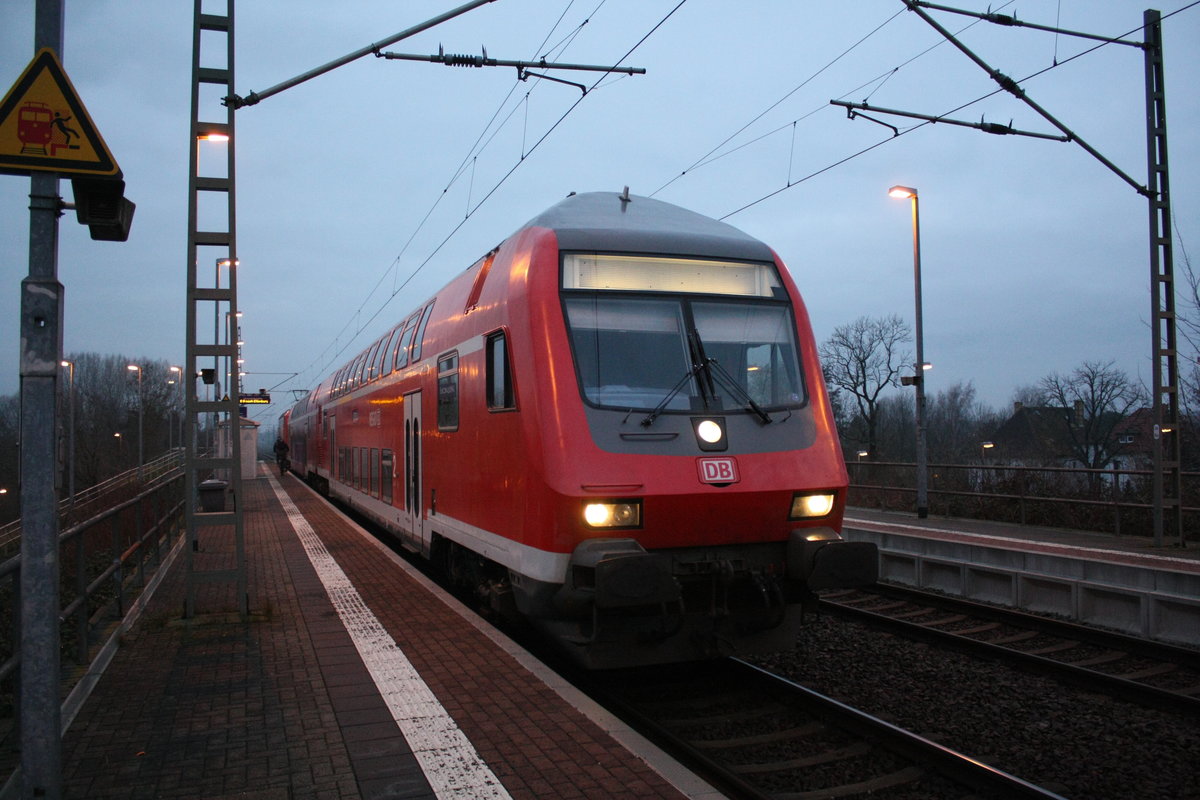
(678, 334)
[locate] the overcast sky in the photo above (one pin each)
(362, 191)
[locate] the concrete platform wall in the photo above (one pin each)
(1154, 603)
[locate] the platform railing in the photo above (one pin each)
(99, 496)
(106, 562)
(1117, 501)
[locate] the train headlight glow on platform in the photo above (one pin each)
(613, 514)
(808, 506)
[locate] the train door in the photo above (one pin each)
(334, 473)
(413, 514)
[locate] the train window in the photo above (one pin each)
(369, 371)
(648, 274)
(631, 353)
(498, 374)
(480, 277)
(405, 339)
(755, 344)
(387, 469)
(419, 339)
(447, 400)
(375, 472)
(634, 352)
(359, 364)
(364, 469)
(383, 364)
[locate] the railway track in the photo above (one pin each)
(1138, 670)
(756, 735)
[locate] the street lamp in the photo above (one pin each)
(984, 447)
(70, 431)
(174, 411)
(902, 192)
(141, 406)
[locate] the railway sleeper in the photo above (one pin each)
(828, 757)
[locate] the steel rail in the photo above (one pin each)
(1116, 685)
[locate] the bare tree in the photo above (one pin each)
(863, 358)
(957, 424)
(107, 404)
(1094, 399)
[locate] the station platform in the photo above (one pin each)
(1085, 544)
(355, 677)
(1121, 582)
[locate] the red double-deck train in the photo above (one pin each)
(615, 425)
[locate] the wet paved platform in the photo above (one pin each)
(354, 678)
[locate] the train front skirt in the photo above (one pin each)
(620, 605)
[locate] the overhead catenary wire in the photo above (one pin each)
(1056, 64)
(324, 359)
(709, 157)
(503, 179)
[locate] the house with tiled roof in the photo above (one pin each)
(1049, 436)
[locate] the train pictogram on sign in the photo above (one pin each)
(44, 126)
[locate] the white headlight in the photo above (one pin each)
(613, 514)
(811, 505)
(709, 431)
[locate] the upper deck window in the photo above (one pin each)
(651, 274)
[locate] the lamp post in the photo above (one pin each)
(141, 405)
(70, 431)
(178, 371)
(918, 379)
(231, 263)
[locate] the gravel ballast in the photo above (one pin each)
(1079, 744)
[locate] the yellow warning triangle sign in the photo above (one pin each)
(45, 128)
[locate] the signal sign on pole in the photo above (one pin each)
(45, 128)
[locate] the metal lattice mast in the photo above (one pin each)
(1168, 482)
(219, 556)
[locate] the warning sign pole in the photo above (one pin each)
(41, 355)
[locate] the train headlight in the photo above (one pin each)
(710, 433)
(613, 514)
(810, 505)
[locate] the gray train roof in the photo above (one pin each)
(603, 221)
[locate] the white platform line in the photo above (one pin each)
(451, 764)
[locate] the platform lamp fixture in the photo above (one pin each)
(918, 379)
(177, 379)
(141, 408)
(70, 367)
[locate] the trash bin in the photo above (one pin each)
(212, 495)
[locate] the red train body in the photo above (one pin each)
(615, 425)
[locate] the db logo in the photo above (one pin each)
(717, 470)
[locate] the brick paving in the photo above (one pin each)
(282, 707)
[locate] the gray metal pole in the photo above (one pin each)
(40, 359)
(254, 97)
(922, 465)
(71, 432)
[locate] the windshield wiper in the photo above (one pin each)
(648, 420)
(735, 388)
